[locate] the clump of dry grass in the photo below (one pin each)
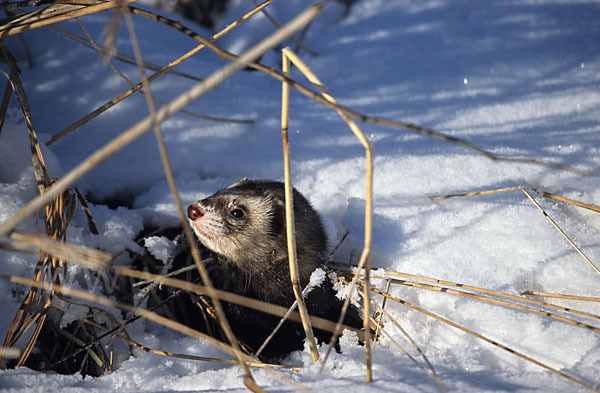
(57, 202)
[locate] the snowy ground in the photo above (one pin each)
(519, 78)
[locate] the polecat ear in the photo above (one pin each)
(278, 222)
(239, 182)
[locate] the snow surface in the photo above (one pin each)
(519, 78)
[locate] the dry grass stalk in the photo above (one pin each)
(103, 52)
(36, 304)
(496, 293)
(204, 358)
(365, 260)
(589, 206)
(10, 353)
(490, 341)
(156, 75)
(299, 43)
(381, 313)
(134, 132)
(51, 15)
(380, 329)
(57, 216)
(43, 180)
(289, 214)
(540, 208)
(117, 55)
(478, 289)
(563, 296)
(88, 213)
(470, 194)
(87, 257)
(496, 301)
(252, 303)
(172, 324)
(5, 102)
(372, 119)
(221, 318)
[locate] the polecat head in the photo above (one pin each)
(245, 223)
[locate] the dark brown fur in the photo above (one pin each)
(243, 228)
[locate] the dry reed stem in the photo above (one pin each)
(560, 230)
(490, 341)
(88, 213)
(120, 56)
(284, 318)
(540, 208)
(151, 316)
(221, 318)
(372, 119)
(39, 165)
(269, 308)
(469, 194)
(87, 257)
(383, 303)
(204, 358)
(89, 352)
(380, 329)
(563, 296)
(495, 301)
(5, 102)
(288, 55)
(488, 291)
(589, 206)
(113, 331)
(289, 213)
(156, 75)
(134, 132)
(34, 308)
(10, 353)
(53, 14)
(434, 375)
(296, 41)
(103, 52)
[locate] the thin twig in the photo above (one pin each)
(165, 112)
(366, 254)
(51, 15)
(540, 208)
(299, 43)
(562, 296)
(122, 96)
(589, 206)
(289, 215)
(490, 341)
(222, 319)
(371, 119)
(488, 291)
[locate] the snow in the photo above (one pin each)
(518, 78)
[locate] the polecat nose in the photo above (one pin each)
(194, 212)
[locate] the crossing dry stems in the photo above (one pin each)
(63, 198)
(536, 204)
(365, 259)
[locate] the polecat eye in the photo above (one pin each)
(237, 213)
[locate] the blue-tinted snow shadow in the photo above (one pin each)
(509, 60)
(409, 67)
